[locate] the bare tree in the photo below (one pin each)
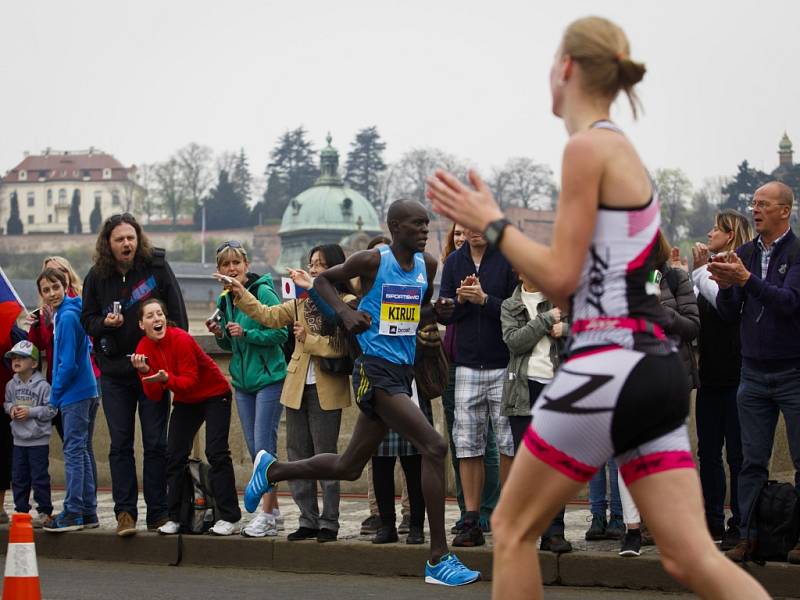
(414, 167)
(146, 175)
(171, 193)
(225, 161)
(523, 182)
(674, 194)
(194, 161)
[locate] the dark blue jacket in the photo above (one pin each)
(479, 337)
(769, 307)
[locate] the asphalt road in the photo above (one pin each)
(93, 580)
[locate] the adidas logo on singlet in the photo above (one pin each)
(420, 278)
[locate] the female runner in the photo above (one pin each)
(622, 391)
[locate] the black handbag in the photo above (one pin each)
(336, 366)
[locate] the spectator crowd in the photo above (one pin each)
(121, 338)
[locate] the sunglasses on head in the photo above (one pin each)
(231, 244)
(119, 217)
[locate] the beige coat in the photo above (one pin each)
(334, 390)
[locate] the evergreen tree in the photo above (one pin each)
(365, 164)
(225, 209)
(739, 192)
(14, 224)
(74, 220)
(241, 179)
(274, 201)
(294, 164)
(96, 218)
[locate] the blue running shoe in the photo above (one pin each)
(64, 521)
(450, 572)
(258, 484)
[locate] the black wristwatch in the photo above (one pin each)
(495, 230)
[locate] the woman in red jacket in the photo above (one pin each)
(169, 360)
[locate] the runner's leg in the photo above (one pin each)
(367, 435)
(405, 417)
(530, 498)
(672, 505)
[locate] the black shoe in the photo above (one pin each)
(731, 538)
(416, 535)
(326, 535)
(303, 533)
(369, 526)
(386, 535)
(555, 543)
(597, 530)
(405, 525)
(615, 530)
(470, 536)
(631, 543)
(458, 527)
(717, 531)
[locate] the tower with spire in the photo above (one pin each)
(785, 152)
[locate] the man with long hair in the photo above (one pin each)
(128, 270)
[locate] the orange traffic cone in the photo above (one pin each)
(22, 575)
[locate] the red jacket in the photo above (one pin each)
(193, 376)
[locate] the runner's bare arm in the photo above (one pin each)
(362, 264)
(555, 269)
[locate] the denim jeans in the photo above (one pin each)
(597, 491)
(121, 399)
(717, 418)
(491, 460)
(81, 492)
(260, 415)
(31, 464)
(761, 395)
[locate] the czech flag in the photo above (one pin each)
(290, 291)
(10, 304)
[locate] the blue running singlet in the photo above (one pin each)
(394, 303)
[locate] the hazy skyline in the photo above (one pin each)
(141, 79)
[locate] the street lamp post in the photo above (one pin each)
(203, 235)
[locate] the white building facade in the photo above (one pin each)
(45, 185)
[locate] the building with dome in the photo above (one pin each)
(326, 213)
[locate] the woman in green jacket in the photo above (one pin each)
(257, 368)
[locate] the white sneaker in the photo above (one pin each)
(169, 528)
(278, 519)
(224, 528)
(262, 525)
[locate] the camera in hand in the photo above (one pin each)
(214, 318)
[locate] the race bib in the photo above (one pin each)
(400, 308)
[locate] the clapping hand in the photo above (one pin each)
(700, 255)
(20, 413)
(474, 207)
(676, 261)
(727, 269)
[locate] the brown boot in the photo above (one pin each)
(794, 555)
(741, 552)
(126, 526)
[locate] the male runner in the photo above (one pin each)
(397, 283)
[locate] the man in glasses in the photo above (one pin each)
(760, 285)
(126, 271)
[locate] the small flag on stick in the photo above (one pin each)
(290, 291)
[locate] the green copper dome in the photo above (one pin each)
(325, 213)
(329, 204)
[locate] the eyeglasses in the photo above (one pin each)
(231, 244)
(762, 204)
(317, 264)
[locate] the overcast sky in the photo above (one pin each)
(140, 79)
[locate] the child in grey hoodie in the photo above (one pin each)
(27, 402)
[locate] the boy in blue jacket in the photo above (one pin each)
(74, 393)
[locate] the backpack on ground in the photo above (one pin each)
(775, 516)
(198, 509)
